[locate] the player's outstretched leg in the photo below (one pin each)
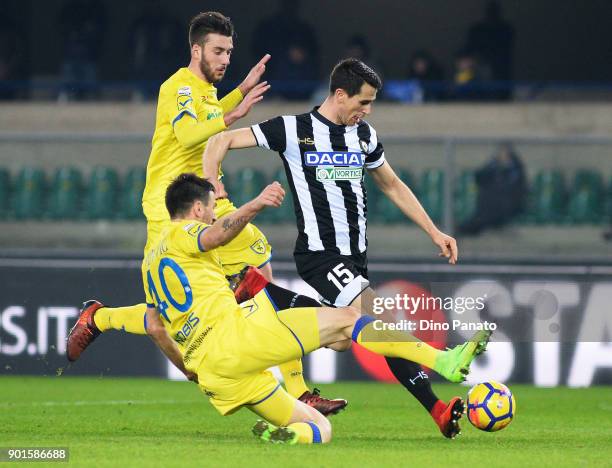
(96, 318)
(413, 378)
(129, 319)
(84, 331)
(446, 416)
(454, 364)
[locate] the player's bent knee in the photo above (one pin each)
(324, 425)
(325, 428)
(343, 345)
(304, 413)
(350, 315)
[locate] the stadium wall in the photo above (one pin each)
(553, 321)
(510, 120)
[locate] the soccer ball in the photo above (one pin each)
(491, 406)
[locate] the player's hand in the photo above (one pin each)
(254, 75)
(447, 245)
(192, 376)
(252, 98)
(220, 191)
(272, 195)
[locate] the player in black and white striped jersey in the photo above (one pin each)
(325, 152)
(325, 165)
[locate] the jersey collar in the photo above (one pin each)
(325, 120)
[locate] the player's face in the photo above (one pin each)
(355, 108)
(215, 56)
(205, 212)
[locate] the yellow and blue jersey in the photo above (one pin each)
(229, 347)
(184, 99)
(187, 286)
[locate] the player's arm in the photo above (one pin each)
(159, 335)
(228, 227)
(190, 132)
(219, 145)
(402, 197)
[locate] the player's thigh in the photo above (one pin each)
(320, 326)
(267, 337)
(338, 279)
(249, 247)
(336, 324)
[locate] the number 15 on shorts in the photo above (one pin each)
(340, 276)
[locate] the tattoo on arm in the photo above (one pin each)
(231, 223)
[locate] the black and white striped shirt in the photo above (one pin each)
(325, 165)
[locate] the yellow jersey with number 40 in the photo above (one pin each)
(184, 99)
(187, 286)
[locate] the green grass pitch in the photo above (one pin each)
(146, 422)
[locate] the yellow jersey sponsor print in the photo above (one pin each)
(182, 96)
(188, 287)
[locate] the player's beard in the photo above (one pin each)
(208, 72)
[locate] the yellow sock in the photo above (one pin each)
(293, 374)
(129, 319)
(308, 432)
(392, 343)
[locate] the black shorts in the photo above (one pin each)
(338, 279)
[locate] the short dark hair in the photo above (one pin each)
(209, 22)
(350, 74)
(184, 191)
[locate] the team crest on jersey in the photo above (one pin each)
(193, 229)
(363, 145)
(258, 247)
(183, 102)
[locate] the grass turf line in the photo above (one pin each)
(147, 422)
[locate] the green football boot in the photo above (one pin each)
(276, 435)
(454, 364)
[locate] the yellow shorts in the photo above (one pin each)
(245, 343)
(250, 247)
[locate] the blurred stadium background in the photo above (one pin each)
(531, 79)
